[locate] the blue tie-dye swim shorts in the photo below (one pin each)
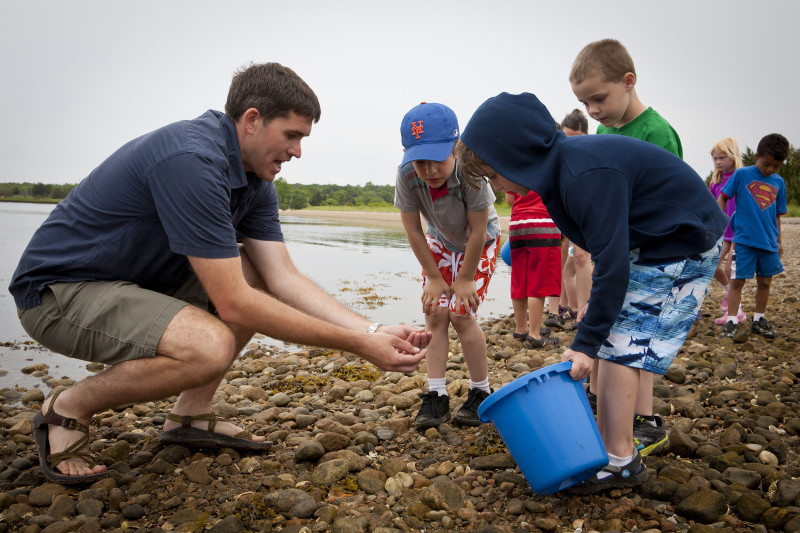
(660, 307)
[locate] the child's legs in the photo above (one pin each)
(439, 345)
(528, 315)
(729, 260)
(583, 276)
(723, 272)
(535, 309)
(473, 345)
(520, 306)
(746, 263)
(735, 295)
(568, 294)
(660, 307)
(615, 410)
(767, 266)
(644, 398)
(763, 284)
(465, 322)
(519, 288)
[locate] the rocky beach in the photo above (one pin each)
(347, 459)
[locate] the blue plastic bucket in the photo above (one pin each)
(546, 422)
(505, 252)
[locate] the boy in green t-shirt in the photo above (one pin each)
(604, 80)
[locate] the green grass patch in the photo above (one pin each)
(388, 208)
(792, 211)
(29, 199)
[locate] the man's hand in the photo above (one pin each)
(417, 337)
(392, 353)
(581, 363)
(466, 294)
(434, 288)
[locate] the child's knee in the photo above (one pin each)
(462, 322)
(737, 284)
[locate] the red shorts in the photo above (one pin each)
(450, 266)
(535, 258)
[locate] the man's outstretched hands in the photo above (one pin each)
(581, 363)
(390, 352)
(417, 337)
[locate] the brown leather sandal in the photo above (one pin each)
(188, 436)
(48, 461)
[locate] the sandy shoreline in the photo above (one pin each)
(392, 219)
(364, 218)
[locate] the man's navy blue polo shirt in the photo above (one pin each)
(179, 190)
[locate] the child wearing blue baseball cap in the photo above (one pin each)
(457, 252)
(649, 223)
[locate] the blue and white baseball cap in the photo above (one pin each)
(428, 132)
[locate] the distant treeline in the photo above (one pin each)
(299, 196)
(35, 190)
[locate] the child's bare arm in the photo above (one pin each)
(780, 244)
(464, 285)
(436, 284)
(722, 201)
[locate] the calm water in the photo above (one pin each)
(371, 270)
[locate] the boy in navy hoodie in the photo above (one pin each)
(652, 228)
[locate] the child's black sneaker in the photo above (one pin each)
(553, 321)
(763, 328)
(542, 342)
(519, 336)
(435, 410)
(729, 330)
(522, 337)
(649, 439)
(613, 477)
(467, 414)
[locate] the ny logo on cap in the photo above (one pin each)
(416, 129)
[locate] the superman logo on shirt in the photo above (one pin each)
(763, 193)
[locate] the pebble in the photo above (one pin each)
(346, 456)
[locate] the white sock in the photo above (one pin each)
(733, 319)
(614, 460)
(439, 385)
(756, 316)
(482, 385)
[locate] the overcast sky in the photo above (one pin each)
(81, 78)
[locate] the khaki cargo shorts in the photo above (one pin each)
(107, 321)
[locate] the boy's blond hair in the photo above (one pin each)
(469, 165)
(728, 146)
(608, 57)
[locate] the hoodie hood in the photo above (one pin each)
(517, 137)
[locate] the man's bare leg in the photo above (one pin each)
(197, 401)
(195, 351)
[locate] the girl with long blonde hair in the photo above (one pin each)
(726, 158)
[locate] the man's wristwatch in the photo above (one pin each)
(374, 327)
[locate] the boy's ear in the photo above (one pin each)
(629, 79)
